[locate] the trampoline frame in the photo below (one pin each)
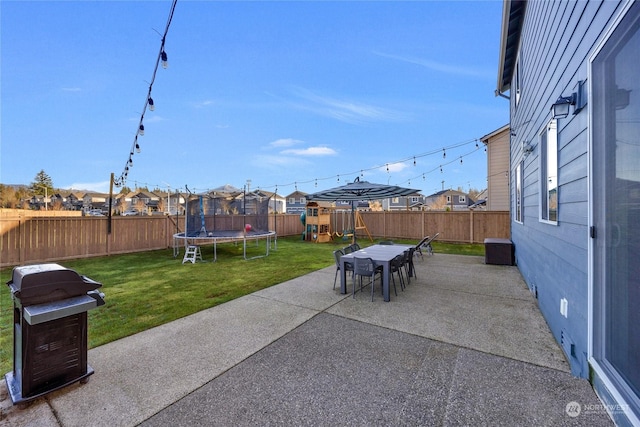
(222, 238)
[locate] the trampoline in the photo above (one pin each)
(216, 217)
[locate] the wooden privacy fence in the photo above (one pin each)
(25, 240)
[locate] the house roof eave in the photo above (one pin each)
(512, 19)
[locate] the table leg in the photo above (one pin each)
(386, 270)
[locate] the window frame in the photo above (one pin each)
(548, 168)
(518, 199)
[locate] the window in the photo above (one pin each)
(517, 81)
(303, 201)
(517, 197)
(292, 200)
(549, 173)
(448, 199)
(462, 199)
(395, 200)
(414, 200)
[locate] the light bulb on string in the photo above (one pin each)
(361, 172)
(477, 143)
(316, 184)
(151, 106)
(165, 62)
(141, 130)
(338, 178)
(460, 159)
(138, 147)
(441, 169)
(414, 161)
(387, 167)
(423, 177)
(444, 154)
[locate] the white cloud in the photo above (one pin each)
(343, 110)
(285, 142)
(99, 187)
(393, 167)
(201, 104)
(311, 151)
(277, 162)
(469, 71)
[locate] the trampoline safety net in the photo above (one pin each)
(217, 215)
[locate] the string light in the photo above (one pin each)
(360, 172)
(444, 154)
(165, 61)
(149, 103)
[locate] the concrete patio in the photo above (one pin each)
(464, 344)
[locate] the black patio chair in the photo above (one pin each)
(347, 265)
(396, 268)
(365, 267)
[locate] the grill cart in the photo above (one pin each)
(50, 305)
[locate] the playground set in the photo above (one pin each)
(323, 223)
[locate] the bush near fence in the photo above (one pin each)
(26, 240)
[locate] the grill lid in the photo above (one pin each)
(36, 284)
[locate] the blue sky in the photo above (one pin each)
(294, 95)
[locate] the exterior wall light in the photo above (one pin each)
(560, 108)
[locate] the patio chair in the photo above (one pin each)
(356, 247)
(406, 264)
(425, 244)
(365, 267)
(347, 265)
(347, 249)
(396, 268)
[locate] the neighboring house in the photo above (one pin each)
(481, 201)
(143, 201)
(296, 202)
(497, 144)
(576, 183)
(414, 202)
(451, 200)
(95, 201)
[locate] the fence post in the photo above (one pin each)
(22, 239)
(471, 225)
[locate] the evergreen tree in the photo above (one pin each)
(42, 184)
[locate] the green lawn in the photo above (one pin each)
(147, 289)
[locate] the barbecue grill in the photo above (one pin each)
(50, 305)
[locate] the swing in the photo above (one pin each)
(334, 224)
(348, 231)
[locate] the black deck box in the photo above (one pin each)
(499, 251)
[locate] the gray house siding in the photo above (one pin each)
(557, 42)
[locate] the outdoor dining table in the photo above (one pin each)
(381, 255)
